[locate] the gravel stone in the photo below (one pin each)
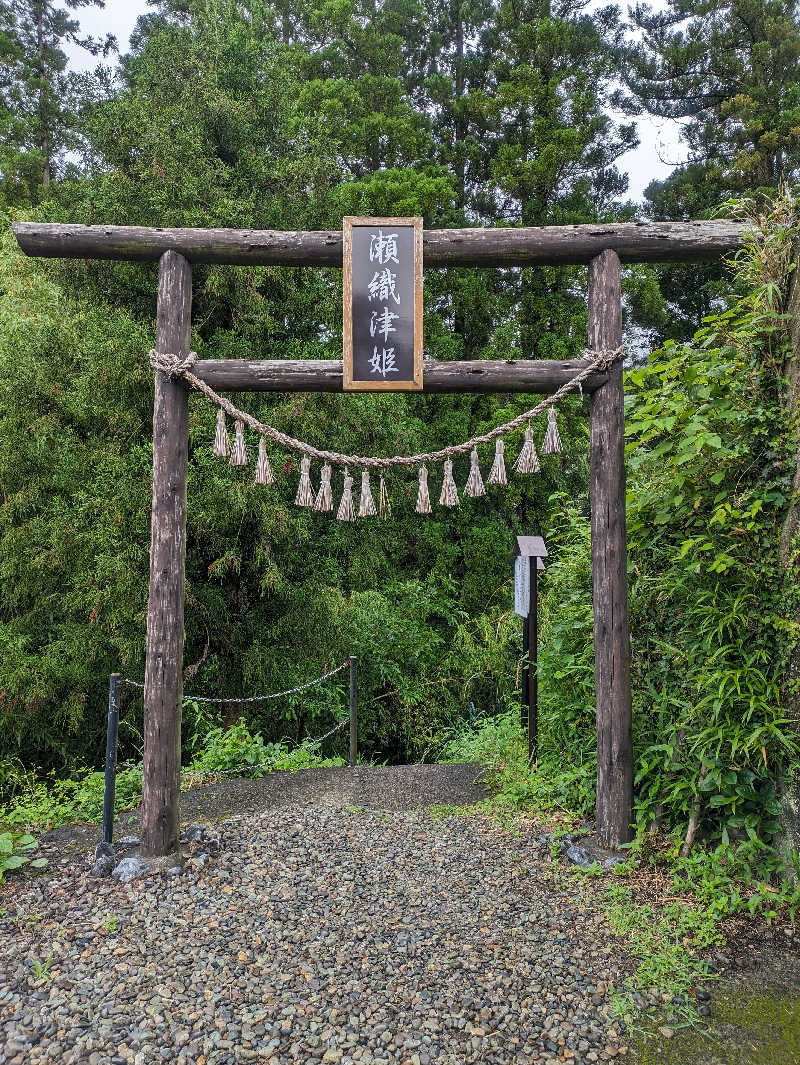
(579, 856)
(103, 866)
(129, 869)
(610, 863)
(322, 933)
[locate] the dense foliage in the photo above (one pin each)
(713, 612)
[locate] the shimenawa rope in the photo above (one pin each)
(176, 366)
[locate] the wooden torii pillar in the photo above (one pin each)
(612, 672)
(602, 247)
(163, 677)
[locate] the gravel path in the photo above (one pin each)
(383, 787)
(316, 934)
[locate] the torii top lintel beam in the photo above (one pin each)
(634, 242)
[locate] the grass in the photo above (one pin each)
(669, 939)
(442, 811)
(41, 970)
(44, 804)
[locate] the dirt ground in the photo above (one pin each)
(755, 1006)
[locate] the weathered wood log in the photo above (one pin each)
(526, 246)
(309, 375)
(163, 682)
(609, 565)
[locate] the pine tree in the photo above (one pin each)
(731, 72)
(38, 102)
(553, 147)
(356, 65)
(731, 69)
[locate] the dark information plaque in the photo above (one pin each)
(382, 304)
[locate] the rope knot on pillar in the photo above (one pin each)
(605, 358)
(172, 365)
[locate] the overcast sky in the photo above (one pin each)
(660, 149)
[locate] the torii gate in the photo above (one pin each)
(603, 247)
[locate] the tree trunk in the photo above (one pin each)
(460, 123)
(45, 144)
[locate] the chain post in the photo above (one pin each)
(353, 709)
(109, 787)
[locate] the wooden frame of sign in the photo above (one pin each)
(409, 373)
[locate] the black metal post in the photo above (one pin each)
(533, 654)
(111, 759)
(525, 671)
(353, 709)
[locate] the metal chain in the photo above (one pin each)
(177, 366)
(316, 743)
(252, 698)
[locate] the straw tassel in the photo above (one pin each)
(324, 501)
(423, 497)
(264, 474)
(528, 461)
(474, 486)
(239, 453)
(346, 512)
(366, 508)
(551, 445)
(384, 506)
(497, 474)
(305, 495)
(222, 442)
(449, 496)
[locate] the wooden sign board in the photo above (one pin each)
(522, 585)
(522, 582)
(382, 304)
